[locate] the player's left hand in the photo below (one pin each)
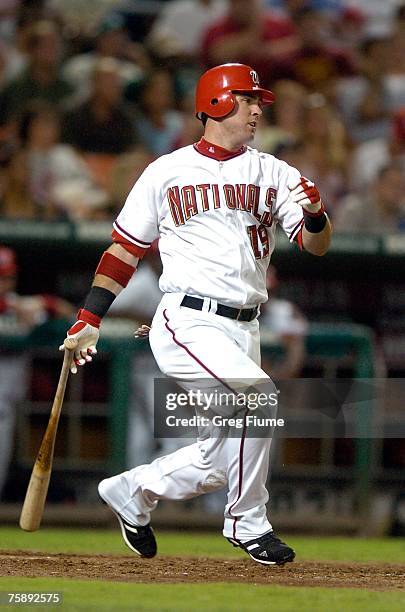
(307, 195)
(142, 331)
(83, 337)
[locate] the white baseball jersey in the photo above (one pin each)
(216, 214)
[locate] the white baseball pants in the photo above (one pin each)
(191, 345)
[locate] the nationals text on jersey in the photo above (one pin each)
(186, 202)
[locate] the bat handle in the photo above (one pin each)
(70, 343)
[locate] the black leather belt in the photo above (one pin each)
(240, 314)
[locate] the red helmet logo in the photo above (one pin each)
(216, 88)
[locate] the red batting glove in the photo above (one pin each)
(307, 195)
(86, 332)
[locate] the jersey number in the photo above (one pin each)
(259, 239)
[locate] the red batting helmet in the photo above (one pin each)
(8, 264)
(216, 89)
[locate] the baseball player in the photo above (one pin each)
(214, 206)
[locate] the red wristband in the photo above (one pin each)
(115, 268)
(88, 317)
(320, 212)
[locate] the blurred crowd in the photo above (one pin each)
(91, 92)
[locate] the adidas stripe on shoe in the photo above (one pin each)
(268, 549)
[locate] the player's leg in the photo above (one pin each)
(248, 460)
(245, 457)
(191, 346)
(245, 513)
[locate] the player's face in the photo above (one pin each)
(242, 123)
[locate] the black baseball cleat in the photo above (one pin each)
(268, 549)
(139, 539)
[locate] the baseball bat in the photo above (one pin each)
(34, 502)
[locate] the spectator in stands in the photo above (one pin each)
(18, 314)
(380, 14)
(364, 99)
(343, 25)
(252, 36)
(179, 27)
(8, 13)
(316, 64)
(400, 18)
(103, 123)
(12, 62)
(395, 80)
(111, 41)
(16, 199)
(158, 124)
(35, 10)
(124, 173)
(380, 211)
(371, 156)
(41, 79)
(290, 7)
(59, 179)
(324, 148)
(83, 18)
(398, 135)
(348, 28)
(15, 15)
(285, 120)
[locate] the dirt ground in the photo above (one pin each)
(202, 569)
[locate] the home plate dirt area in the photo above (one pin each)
(202, 569)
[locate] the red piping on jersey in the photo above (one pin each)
(121, 229)
(297, 228)
(215, 151)
(242, 441)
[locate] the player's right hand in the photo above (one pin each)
(86, 336)
(307, 196)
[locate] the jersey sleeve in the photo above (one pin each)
(288, 214)
(137, 223)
